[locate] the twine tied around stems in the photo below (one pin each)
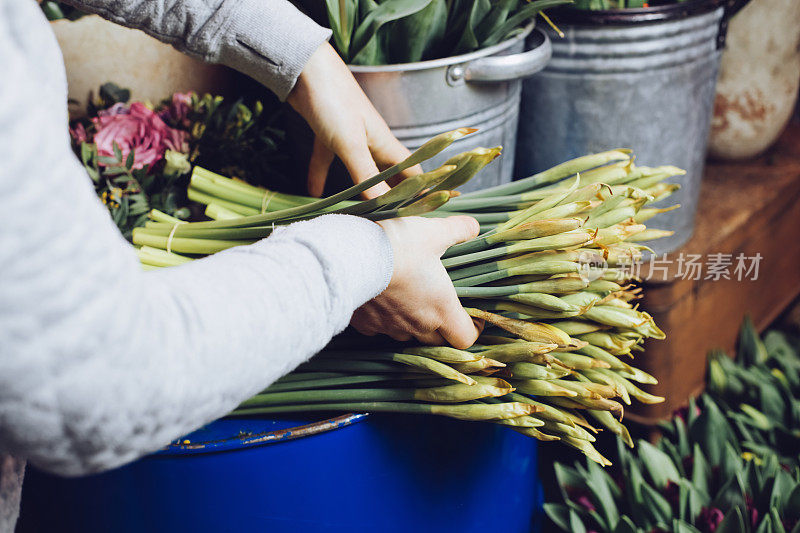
(172, 235)
(266, 199)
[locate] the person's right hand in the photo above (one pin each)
(420, 301)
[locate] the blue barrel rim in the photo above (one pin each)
(250, 440)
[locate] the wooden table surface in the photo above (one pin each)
(747, 208)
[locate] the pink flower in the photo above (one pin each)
(709, 519)
(78, 133)
(177, 112)
(139, 129)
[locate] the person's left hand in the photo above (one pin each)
(345, 123)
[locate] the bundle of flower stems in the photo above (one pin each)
(550, 274)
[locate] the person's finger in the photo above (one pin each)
(458, 329)
(388, 151)
(361, 166)
(453, 230)
(321, 159)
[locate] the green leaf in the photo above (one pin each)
(751, 350)
(658, 507)
(701, 471)
(567, 477)
(772, 402)
(711, 431)
(411, 39)
(387, 11)
(777, 523)
(765, 526)
(117, 151)
(658, 465)
(575, 523)
(732, 523)
(625, 525)
(469, 41)
(519, 18)
(682, 437)
(129, 160)
(559, 514)
(604, 490)
(730, 464)
(679, 526)
(697, 499)
(781, 489)
(791, 509)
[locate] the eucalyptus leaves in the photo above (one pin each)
(379, 32)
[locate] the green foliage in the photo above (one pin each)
(377, 32)
(729, 463)
(235, 139)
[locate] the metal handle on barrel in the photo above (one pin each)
(511, 67)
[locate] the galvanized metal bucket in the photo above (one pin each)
(481, 89)
(640, 79)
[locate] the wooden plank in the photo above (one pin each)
(748, 208)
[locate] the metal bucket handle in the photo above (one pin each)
(505, 67)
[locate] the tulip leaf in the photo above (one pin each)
(657, 506)
(773, 404)
(575, 523)
(625, 525)
(711, 431)
(386, 11)
(697, 499)
(341, 17)
(559, 514)
(751, 350)
(679, 526)
(765, 526)
(701, 471)
(777, 521)
(411, 38)
(519, 18)
(781, 489)
(604, 490)
(568, 477)
(658, 465)
(468, 41)
(732, 523)
(791, 508)
(682, 437)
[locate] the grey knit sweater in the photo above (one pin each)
(101, 362)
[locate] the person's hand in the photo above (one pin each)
(345, 124)
(420, 301)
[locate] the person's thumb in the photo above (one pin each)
(454, 230)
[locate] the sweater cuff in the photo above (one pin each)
(271, 41)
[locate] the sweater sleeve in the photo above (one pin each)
(269, 40)
(103, 362)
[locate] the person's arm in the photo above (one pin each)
(275, 44)
(101, 362)
(269, 40)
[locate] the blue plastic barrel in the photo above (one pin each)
(347, 473)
